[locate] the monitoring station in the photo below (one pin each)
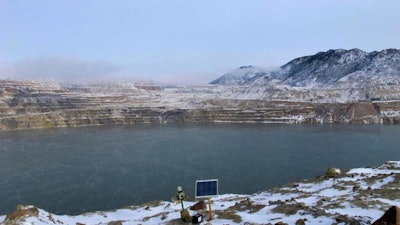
(206, 189)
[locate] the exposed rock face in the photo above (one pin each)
(34, 105)
(359, 112)
(20, 213)
(26, 104)
(201, 205)
(333, 172)
(391, 217)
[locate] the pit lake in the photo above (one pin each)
(77, 170)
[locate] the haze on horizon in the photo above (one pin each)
(181, 41)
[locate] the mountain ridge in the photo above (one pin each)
(333, 68)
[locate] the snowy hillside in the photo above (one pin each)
(332, 69)
(308, 89)
(242, 75)
(359, 196)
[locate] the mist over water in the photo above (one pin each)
(76, 170)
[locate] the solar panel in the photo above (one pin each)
(206, 188)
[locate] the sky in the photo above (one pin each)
(181, 41)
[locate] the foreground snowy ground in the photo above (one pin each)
(358, 196)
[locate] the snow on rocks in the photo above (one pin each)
(358, 196)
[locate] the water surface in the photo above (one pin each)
(76, 170)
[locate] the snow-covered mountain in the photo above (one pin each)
(331, 69)
(242, 75)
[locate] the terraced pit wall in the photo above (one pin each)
(33, 105)
(277, 112)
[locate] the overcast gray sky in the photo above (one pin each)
(181, 41)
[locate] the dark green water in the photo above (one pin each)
(71, 171)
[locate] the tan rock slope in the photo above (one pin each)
(32, 104)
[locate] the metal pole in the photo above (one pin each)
(182, 205)
(209, 206)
